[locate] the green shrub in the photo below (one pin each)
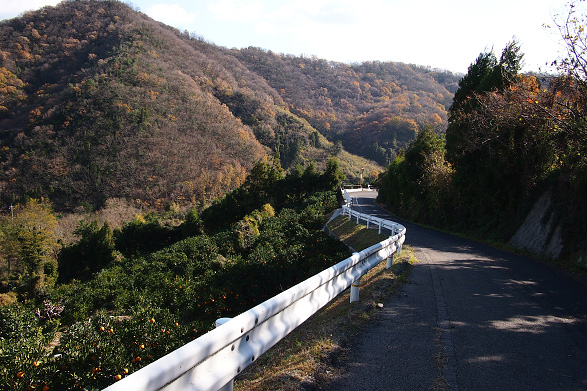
(192, 224)
(90, 254)
(144, 235)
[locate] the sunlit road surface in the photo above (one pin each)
(472, 318)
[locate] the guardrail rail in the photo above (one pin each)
(212, 361)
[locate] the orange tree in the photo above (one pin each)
(137, 309)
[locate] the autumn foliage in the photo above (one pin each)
(511, 138)
(98, 101)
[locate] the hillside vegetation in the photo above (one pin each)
(511, 139)
(99, 113)
(373, 108)
(98, 101)
(87, 314)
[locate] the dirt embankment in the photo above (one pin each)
(541, 231)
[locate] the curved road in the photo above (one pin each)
(472, 318)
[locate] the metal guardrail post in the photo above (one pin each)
(230, 385)
(389, 262)
(355, 286)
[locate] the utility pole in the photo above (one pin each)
(362, 169)
(9, 256)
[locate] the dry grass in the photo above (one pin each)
(116, 212)
(354, 235)
(314, 354)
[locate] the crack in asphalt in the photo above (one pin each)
(447, 353)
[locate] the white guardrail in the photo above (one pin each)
(212, 361)
(393, 227)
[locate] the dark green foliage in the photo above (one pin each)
(93, 251)
(259, 188)
(488, 169)
(188, 258)
(417, 183)
(481, 183)
(144, 235)
(485, 74)
(266, 184)
(94, 351)
(333, 177)
(192, 224)
(476, 79)
(183, 288)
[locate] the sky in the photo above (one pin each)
(444, 34)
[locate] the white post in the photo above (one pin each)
(389, 262)
(355, 290)
(230, 385)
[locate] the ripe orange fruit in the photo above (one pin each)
(118, 377)
(20, 374)
(111, 330)
(125, 371)
(36, 364)
(152, 320)
(102, 328)
(45, 388)
(141, 346)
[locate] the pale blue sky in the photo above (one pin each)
(442, 34)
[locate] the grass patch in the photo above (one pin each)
(314, 354)
(356, 236)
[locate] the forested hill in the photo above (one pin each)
(374, 108)
(98, 100)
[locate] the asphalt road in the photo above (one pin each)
(472, 318)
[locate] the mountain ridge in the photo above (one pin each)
(98, 101)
